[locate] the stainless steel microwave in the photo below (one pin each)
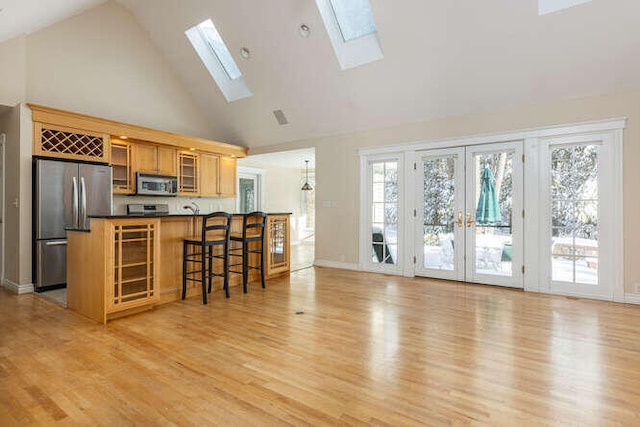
(156, 185)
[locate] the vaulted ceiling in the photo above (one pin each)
(19, 17)
(442, 58)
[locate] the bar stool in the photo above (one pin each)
(253, 228)
(216, 229)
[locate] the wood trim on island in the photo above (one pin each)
(95, 260)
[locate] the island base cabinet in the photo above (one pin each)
(111, 270)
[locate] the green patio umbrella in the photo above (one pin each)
(488, 211)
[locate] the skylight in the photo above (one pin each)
(354, 18)
(550, 6)
(352, 31)
(215, 55)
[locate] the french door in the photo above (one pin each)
(470, 214)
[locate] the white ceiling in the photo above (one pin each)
(292, 159)
(28, 16)
(442, 59)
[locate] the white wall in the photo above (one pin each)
(282, 192)
(13, 71)
(337, 167)
(101, 63)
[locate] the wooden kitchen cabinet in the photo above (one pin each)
(277, 245)
(145, 158)
(188, 173)
(154, 159)
(217, 175)
(123, 176)
(167, 164)
(209, 171)
(227, 177)
(113, 270)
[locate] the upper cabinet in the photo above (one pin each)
(155, 159)
(121, 159)
(217, 176)
(203, 167)
(209, 169)
(227, 177)
(69, 143)
(188, 174)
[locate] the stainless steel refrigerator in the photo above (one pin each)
(65, 195)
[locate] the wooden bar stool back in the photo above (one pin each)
(253, 230)
(216, 231)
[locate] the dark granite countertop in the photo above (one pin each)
(172, 215)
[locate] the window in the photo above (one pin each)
(352, 31)
(354, 18)
(550, 6)
(250, 196)
(215, 55)
(574, 214)
(384, 212)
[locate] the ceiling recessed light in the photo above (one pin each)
(233, 156)
(192, 149)
(304, 30)
(123, 137)
(244, 52)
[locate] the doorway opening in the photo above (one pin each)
(274, 183)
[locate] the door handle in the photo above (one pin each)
(74, 198)
(60, 243)
(460, 219)
(469, 221)
(83, 204)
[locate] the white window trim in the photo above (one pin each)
(261, 175)
(351, 53)
(232, 90)
(365, 263)
(533, 190)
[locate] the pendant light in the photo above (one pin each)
(307, 186)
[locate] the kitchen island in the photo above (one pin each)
(126, 264)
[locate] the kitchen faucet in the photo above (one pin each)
(193, 207)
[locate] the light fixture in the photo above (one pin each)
(123, 137)
(244, 52)
(304, 30)
(306, 186)
(192, 149)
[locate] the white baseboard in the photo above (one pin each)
(632, 298)
(26, 288)
(336, 264)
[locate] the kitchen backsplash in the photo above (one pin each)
(176, 204)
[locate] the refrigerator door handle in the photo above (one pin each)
(58, 243)
(83, 204)
(74, 198)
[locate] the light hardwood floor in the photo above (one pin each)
(369, 349)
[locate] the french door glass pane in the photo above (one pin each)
(439, 213)
(493, 215)
(247, 195)
(574, 214)
(384, 215)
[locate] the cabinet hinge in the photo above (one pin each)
(415, 213)
(415, 166)
(523, 158)
(414, 259)
(522, 213)
(523, 269)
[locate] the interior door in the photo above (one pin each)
(441, 191)
(457, 240)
